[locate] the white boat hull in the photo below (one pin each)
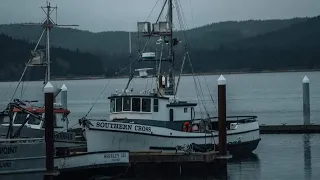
(22, 159)
(106, 135)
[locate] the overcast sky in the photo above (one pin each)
(106, 15)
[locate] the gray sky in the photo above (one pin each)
(106, 15)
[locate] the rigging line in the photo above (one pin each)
(25, 86)
(182, 14)
(137, 58)
(25, 69)
(179, 7)
(196, 87)
(21, 89)
(97, 98)
(152, 10)
(164, 4)
(68, 128)
(202, 100)
(160, 60)
(205, 79)
(181, 24)
(192, 16)
(180, 72)
(5, 94)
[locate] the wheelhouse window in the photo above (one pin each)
(4, 119)
(185, 110)
(155, 105)
(146, 105)
(33, 120)
(118, 104)
(112, 105)
(20, 117)
(126, 104)
(136, 104)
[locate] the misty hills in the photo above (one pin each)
(65, 63)
(253, 45)
(116, 42)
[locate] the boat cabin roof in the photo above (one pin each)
(42, 110)
(181, 104)
(151, 95)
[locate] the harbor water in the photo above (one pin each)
(276, 98)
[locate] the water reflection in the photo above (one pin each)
(244, 167)
(307, 156)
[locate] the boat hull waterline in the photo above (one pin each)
(107, 135)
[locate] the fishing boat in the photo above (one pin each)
(22, 158)
(156, 120)
(27, 119)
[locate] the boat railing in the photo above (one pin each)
(234, 118)
(23, 140)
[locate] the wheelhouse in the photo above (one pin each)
(149, 107)
(19, 117)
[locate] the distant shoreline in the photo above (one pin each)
(186, 74)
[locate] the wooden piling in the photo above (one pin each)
(222, 116)
(306, 100)
(49, 136)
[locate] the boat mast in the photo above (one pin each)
(130, 68)
(48, 26)
(171, 88)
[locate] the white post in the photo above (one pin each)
(306, 100)
(64, 97)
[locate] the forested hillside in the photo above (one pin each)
(251, 45)
(65, 63)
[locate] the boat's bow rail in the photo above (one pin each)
(237, 119)
(22, 140)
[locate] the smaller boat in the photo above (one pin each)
(27, 119)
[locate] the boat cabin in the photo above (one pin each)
(19, 117)
(149, 106)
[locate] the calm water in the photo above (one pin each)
(275, 98)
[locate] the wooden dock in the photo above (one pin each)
(165, 157)
(84, 165)
(159, 164)
(289, 129)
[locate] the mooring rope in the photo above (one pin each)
(97, 98)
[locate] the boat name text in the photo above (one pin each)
(8, 150)
(63, 136)
(115, 155)
(5, 165)
(123, 126)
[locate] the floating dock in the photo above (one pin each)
(289, 129)
(84, 165)
(159, 164)
(179, 157)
